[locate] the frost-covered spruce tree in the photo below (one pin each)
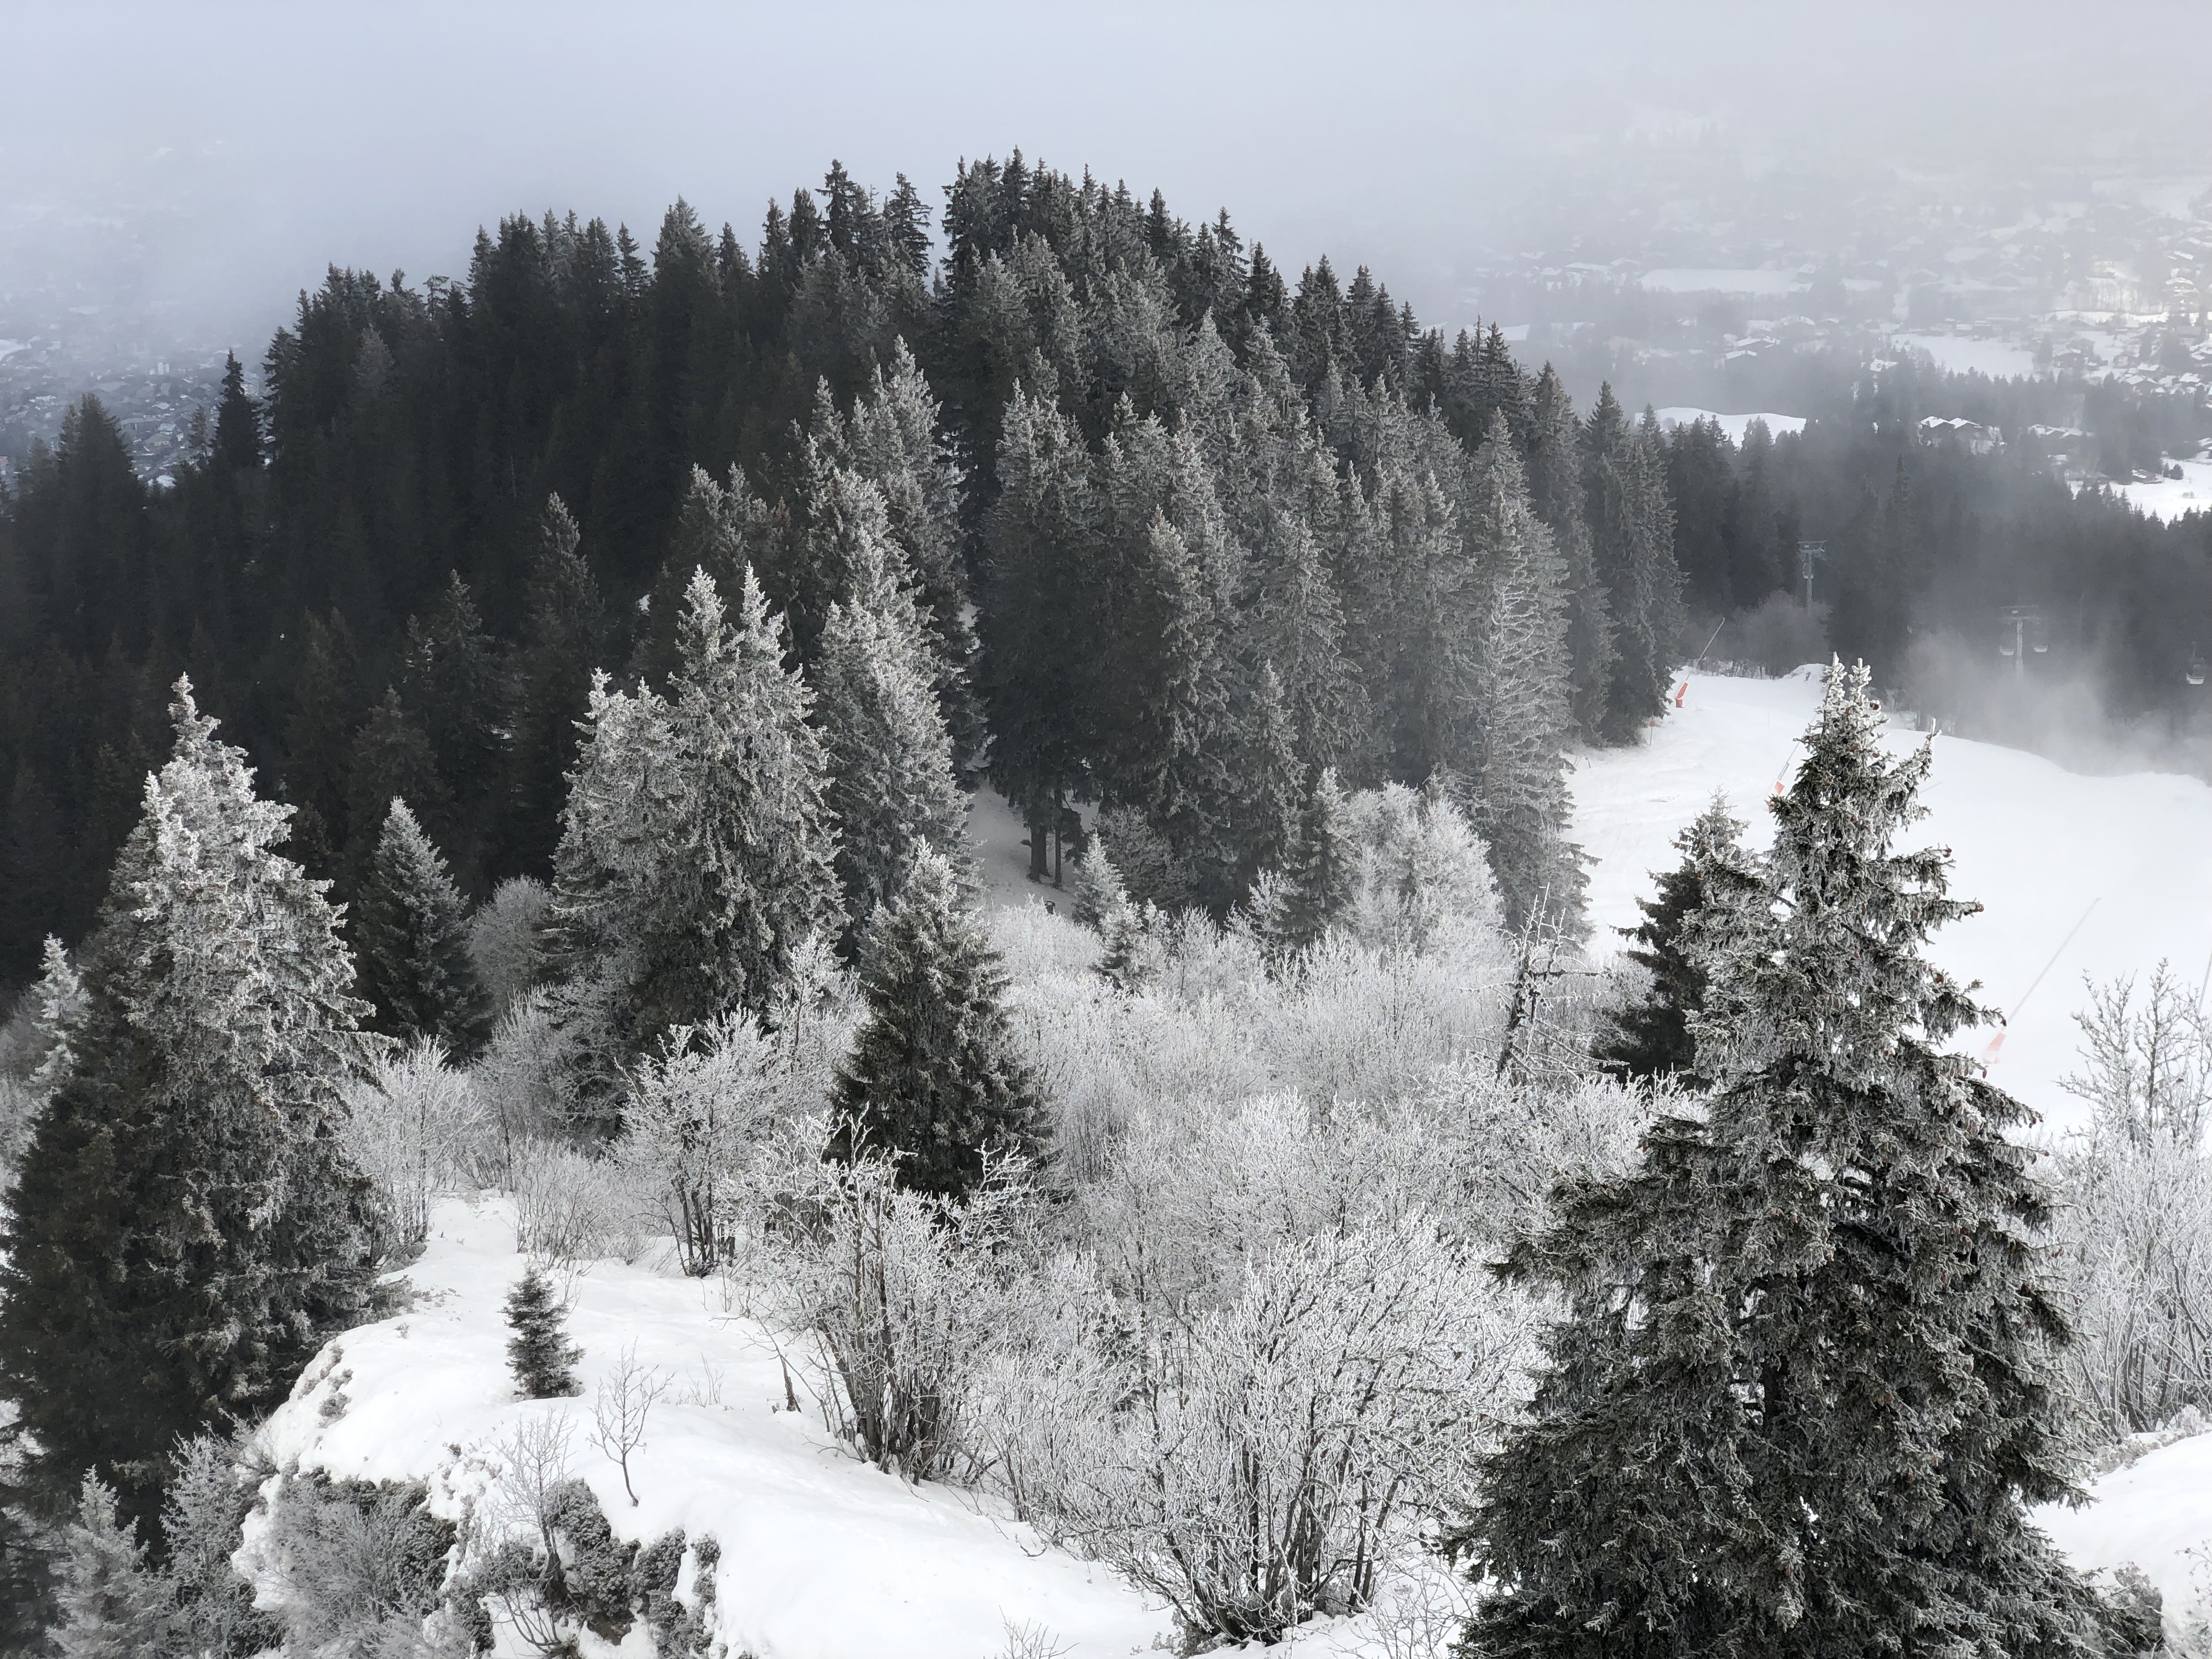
(892, 437)
(539, 1354)
(934, 1079)
(1555, 491)
(1803, 1393)
(412, 942)
(1515, 757)
(696, 845)
(891, 788)
(58, 1000)
(723, 529)
(56, 1006)
(1650, 1036)
(1313, 890)
(113, 1602)
(1631, 528)
(185, 1229)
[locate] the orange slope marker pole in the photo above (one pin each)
(1996, 1043)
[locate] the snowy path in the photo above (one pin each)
(2042, 848)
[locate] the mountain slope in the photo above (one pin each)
(2121, 865)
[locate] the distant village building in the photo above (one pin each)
(1957, 429)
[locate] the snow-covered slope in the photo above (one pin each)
(2155, 1513)
(2126, 860)
(822, 1556)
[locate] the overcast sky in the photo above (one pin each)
(276, 139)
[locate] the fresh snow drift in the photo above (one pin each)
(2127, 861)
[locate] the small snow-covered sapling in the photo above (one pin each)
(626, 1395)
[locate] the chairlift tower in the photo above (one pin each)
(1807, 552)
(2020, 630)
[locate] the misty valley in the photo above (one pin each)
(991, 924)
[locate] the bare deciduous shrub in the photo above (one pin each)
(1274, 1456)
(898, 1298)
(2135, 1232)
(695, 1112)
(522, 1078)
(414, 1127)
(571, 1206)
(1030, 1639)
(1423, 1613)
(503, 938)
(626, 1398)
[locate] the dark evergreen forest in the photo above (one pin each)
(1186, 529)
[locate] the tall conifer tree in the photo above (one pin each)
(891, 787)
(563, 628)
(1650, 1036)
(1802, 1393)
(187, 1228)
(934, 1079)
(1556, 493)
(697, 845)
(1514, 759)
(1633, 542)
(412, 932)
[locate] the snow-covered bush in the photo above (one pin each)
(353, 1566)
(1422, 872)
(695, 1112)
(2135, 1231)
(571, 1206)
(898, 1298)
(550, 1568)
(1354, 1020)
(415, 1127)
(503, 938)
(1274, 1456)
(522, 1081)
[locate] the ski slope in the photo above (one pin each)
(2101, 876)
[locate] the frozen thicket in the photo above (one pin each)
(503, 938)
(415, 1127)
(2135, 1232)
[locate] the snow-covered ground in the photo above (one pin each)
(2128, 860)
(822, 1556)
(1735, 425)
(1960, 354)
(2172, 498)
(2155, 1513)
